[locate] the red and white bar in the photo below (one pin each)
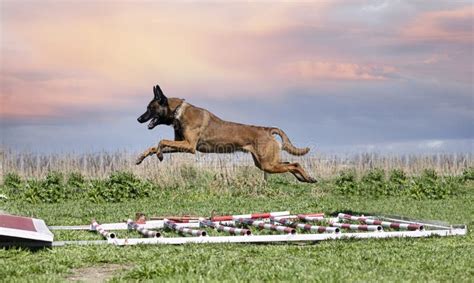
(319, 214)
(96, 226)
(394, 225)
(249, 216)
(357, 227)
(307, 227)
(266, 226)
(145, 232)
(230, 230)
(306, 217)
(172, 225)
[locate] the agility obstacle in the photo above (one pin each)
(222, 228)
(97, 227)
(23, 231)
(250, 216)
(307, 227)
(280, 226)
(266, 226)
(357, 227)
(172, 225)
(145, 232)
(307, 217)
(386, 224)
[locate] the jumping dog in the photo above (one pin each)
(197, 129)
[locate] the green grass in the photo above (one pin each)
(429, 259)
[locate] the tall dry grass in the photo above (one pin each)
(101, 164)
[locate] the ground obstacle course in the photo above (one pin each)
(270, 227)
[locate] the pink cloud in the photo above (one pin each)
(327, 70)
(23, 97)
(450, 26)
(86, 55)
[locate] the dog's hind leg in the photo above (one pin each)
(267, 158)
(297, 170)
(293, 168)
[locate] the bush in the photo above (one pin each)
(12, 185)
(397, 182)
(51, 189)
(346, 182)
(120, 186)
(12, 180)
(374, 183)
(468, 174)
(430, 185)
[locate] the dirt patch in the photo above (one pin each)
(95, 274)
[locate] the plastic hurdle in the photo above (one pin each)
(96, 226)
(387, 224)
(266, 226)
(357, 227)
(307, 227)
(145, 232)
(222, 228)
(172, 225)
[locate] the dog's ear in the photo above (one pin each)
(162, 100)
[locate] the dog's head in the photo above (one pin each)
(158, 110)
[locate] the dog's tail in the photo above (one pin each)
(287, 145)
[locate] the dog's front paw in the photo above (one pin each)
(139, 160)
(160, 156)
(312, 180)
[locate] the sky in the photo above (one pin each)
(337, 76)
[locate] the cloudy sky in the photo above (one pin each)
(335, 75)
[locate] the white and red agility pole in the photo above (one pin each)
(177, 219)
(357, 227)
(306, 227)
(96, 226)
(266, 226)
(172, 225)
(319, 214)
(249, 216)
(230, 230)
(387, 224)
(311, 217)
(145, 232)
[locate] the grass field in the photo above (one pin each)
(430, 259)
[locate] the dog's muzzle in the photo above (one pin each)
(153, 123)
(144, 117)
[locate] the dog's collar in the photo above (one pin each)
(176, 112)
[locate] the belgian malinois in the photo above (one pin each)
(197, 129)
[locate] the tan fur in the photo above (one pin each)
(197, 129)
